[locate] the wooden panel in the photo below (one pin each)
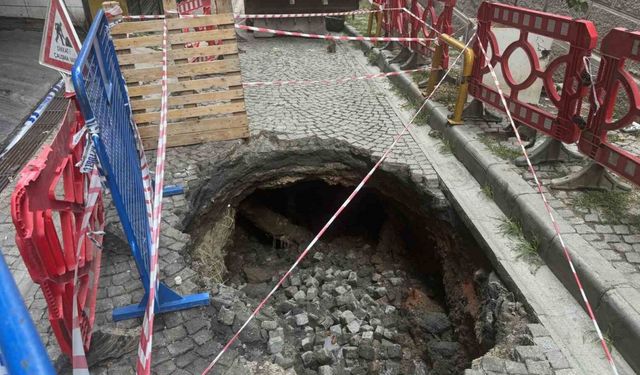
(206, 98)
(195, 138)
(197, 126)
(176, 114)
(215, 82)
(156, 56)
(188, 37)
(172, 24)
(183, 70)
(188, 99)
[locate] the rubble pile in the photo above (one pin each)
(351, 308)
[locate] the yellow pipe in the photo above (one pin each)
(378, 18)
(467, 68)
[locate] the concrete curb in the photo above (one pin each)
(615, 301)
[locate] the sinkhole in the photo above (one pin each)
(396, 285)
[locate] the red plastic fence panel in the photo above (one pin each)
(394, 22)
(47, 206)
(581, 37)
(617, 47)
(428, 14)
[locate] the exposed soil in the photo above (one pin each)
(395, 286)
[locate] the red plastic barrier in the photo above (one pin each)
(617, 47)
(581, 37)
(394, 22)
(47, 207)
(442, 23)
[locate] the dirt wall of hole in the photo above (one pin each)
(268, 162)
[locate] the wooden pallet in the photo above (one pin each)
(206, 100)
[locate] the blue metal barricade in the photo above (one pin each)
(102, 96)
(21, 351)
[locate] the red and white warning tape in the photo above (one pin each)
(547, 206)
(331, 37)
(267, 16)
(144, 17)
(306, 15)
(79, 360)
(331, 81)
(421, 20)
(146, 338)
(327, 225)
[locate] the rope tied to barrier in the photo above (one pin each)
(548, 208)
(330, 221)
(146, 338)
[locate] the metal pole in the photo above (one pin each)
(20, 344)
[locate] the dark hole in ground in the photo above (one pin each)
(386, 289)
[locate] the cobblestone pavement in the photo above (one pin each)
(355, 112)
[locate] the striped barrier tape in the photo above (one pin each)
(329, 223)
(549, 211)
(306, 15)
(146, 338)
(34, 116)
(330, 81)
(421, 20)
(79, 360)
(332, 37)
(267, 16)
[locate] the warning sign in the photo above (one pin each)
(60, 43)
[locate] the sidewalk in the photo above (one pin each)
(23, 82)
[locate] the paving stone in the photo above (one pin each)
(557, 360)
(347, 317)
(515, 368)
(269, 325)
(493, 364)
(529, 352)
(175, 333)
(546, 343)
(308, 358)
(600, 228)
(538, 367)
(367, 352)
(180, 347)
(323, 356)
(275, 345)
(226, 316)
(537, 330)
(354, 326)
(633, 257)
(302, 319)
